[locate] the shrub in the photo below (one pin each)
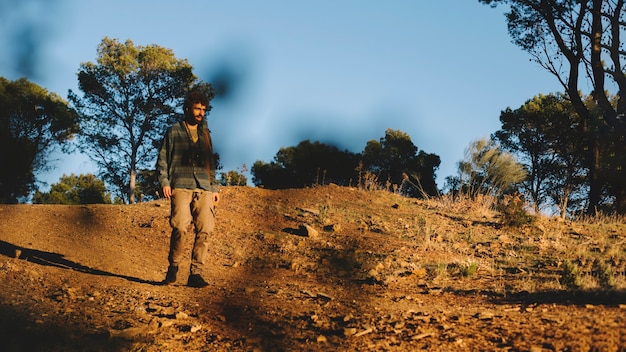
(513, 212)
(570, 275)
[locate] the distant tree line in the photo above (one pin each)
(72, 189)
(391, 162)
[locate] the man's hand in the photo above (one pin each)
(167, 192)
(216, 198)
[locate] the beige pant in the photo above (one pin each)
(191, 207)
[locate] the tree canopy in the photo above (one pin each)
(580, 43)
(306, 164)
(130, 96)
(72, 189)
(488, 170)
(546, 134)
(396, 160)
(33, 122)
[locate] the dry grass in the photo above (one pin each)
(471, 239)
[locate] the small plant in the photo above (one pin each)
(367, 181)
(605, 275)
(323, 214)
(513, 212)
(570, 275)
(468, 269)
(442, 271)
(467, 236)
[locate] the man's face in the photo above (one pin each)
(195, 113)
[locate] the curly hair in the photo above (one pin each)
(199, 94)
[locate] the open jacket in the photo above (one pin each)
(184, 164)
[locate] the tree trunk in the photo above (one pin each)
(594, 177)
(132, 185)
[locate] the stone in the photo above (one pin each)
(349, 331)
(308, 231)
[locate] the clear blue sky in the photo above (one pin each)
(340, 72)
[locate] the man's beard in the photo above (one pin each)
(191, 120)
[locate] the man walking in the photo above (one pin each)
(186, 171)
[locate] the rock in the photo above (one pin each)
(134, 332)
(181, 315)
(349, 331)
(420, 273)
(308, 210)
(308, 231)
(421, 336)
(485, 315)
(332, 228)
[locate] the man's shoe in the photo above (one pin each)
(195, 280)
(170, 278)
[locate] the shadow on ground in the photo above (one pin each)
(59, 261)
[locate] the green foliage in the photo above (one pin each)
(605, 276)
(579, 43)
(488, 170)
(33, 122)
(570, 275)
(148, 186)
(546, 134)
(130, 96)
(392, 162)
(468, 269)
(305, 165)
(72, 189)
(233, 178)
(396, 160)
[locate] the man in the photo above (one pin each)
(186, 170)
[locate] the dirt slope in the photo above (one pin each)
(370, 271)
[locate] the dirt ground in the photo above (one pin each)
(321, 269)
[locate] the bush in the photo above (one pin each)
(513, 212)
(570, 275)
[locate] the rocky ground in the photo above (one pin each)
(320, 269)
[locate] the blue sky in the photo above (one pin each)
(340, 72)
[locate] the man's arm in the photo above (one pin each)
(162, 166)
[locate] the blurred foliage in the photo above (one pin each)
(148, 187)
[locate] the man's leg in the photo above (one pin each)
(180, 219)
(203, 213)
